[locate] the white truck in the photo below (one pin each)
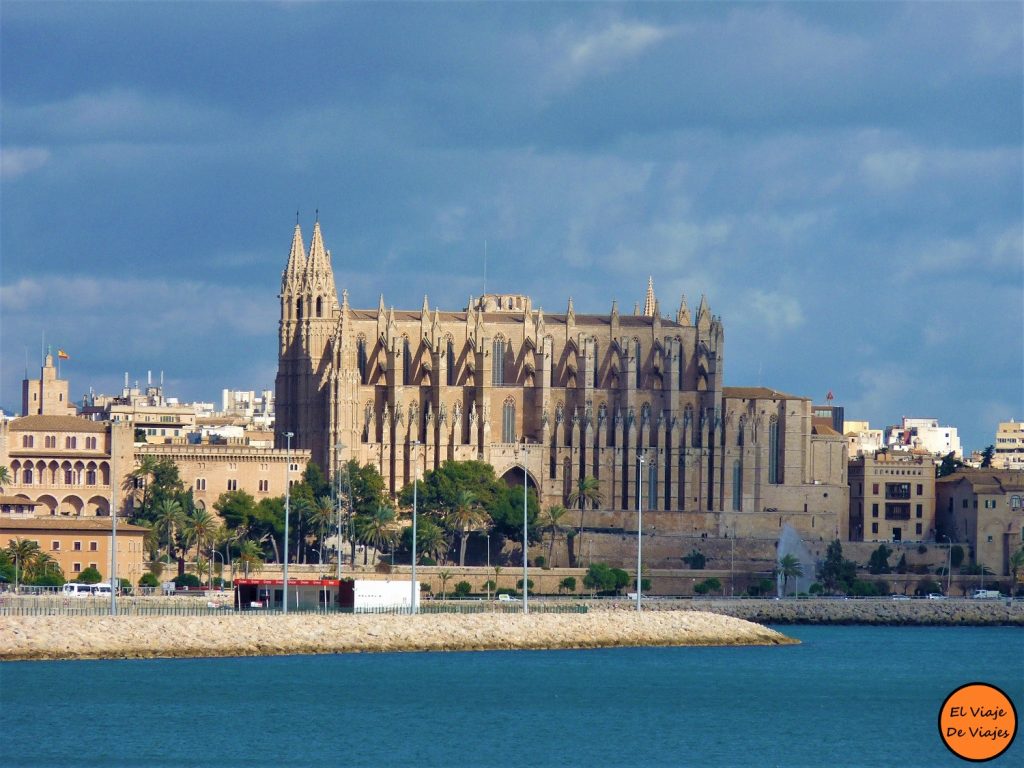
(985, 594)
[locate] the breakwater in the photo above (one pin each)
(95, 637)
(950, 612)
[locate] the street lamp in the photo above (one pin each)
(526, 572)
(287, 504)
(639, 522)
(415, 500)
(337, 502)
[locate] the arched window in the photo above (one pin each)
(406, 361)
(451, 363)
(1015, 502)
(298, 309)
(27, 476)
(508, 421)
(319, 306)
(498, 362)
(773, 451)
(639, 364)
(361, 358)
(739, 431)
(597, 366)
(737, 486)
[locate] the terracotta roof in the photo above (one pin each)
(988, 480)
(56, 424)
(760, 393)
(24, 501)
(824, 429)
(52, 523)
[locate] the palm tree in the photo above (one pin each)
(320, 518)
(300, 507)
(375, 530)
(430, 540)
(200, 527)
(5, 476)
(139, 477)
(466, 515)
(587, 490)
(1016, 566)
(444, 575)
(789, 566)
(250, 555)
(168, 518)
(551, 521)
(25, 553)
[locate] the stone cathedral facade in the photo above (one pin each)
(566, 395)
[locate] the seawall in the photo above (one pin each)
(127, 637)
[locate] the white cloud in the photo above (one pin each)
(18, 161)
(579, 55)
(772, 310)
(892, 170)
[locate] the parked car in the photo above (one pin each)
(985, 594)
(936, 596)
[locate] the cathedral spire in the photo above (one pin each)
(650, 302)
(683, 315)
(319, 278)
(703, 312)
(291, 278)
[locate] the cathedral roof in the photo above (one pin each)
(39, 423)
(757, 393)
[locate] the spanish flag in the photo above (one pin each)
(62, 355)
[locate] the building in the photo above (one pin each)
(983, 508)
(78, 543)
(892, 497)
(211, 468)
(67, 464)
(861, 439)
(924, 434)
(153, 417)
(565, 395)
(1009, 445)
(257, 408)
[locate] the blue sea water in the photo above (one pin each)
(847, 696)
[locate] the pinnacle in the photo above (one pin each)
(649, 301)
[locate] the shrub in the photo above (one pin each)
(695, 560)
(708, 585)
(925, 586)
(48, 579)
(489, 586)
(424, 587)
(427, 560)
(463, 588)
(879, 561)
(89, 576)
(816, 588)
(529, 584)
(149, 580)
(568, 584)
(922, 549)
(189, 580)
(765, 587)
(540, 561)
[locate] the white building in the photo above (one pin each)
(861, 440)
(924, 434)
(1009, 445)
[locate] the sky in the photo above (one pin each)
(843, 181)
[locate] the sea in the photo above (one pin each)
(846, 696)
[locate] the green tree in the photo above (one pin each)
(465, 515)
(168, 518)
(149, 580)
(550, 522)
(138, 479)
(236, 508)
(837, 574)
(313, 477)
(430, 540)
(200, 528)
(601, 577)
(445, 576)
(879, 560)
(5, 476)
(987, 455)
(950, 464)
(321, 519)
(24, 554)
(790, 568)
(696, 560)
(90, 576)
(376, 530)
(586, 491)
(361, 491)
(1017, 565)
(956, 556)
(529, 584)
(250, 557)
(708, 585)
(463, 588)
(568, 584)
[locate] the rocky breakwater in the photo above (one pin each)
(952, 612)
(127, 637)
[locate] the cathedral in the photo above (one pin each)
(634, 400)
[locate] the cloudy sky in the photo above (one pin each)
(843, 181)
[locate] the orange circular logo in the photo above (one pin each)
(977, 722)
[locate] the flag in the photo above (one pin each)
(62, 355)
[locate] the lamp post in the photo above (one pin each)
(287, 505)
(639, 522)
(337, 503)
(526, 572)
(415, 501)
(113, 524)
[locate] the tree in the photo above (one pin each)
(551, 522)
(139, 478)
(696, 560)
(987, 455)
(949, 465)
(837, 574)
(444, 575)
(430, 539)
(1017, 565)
(250, 556)
(956, 556)
(5, 476)
(586, 491)
(568, 584)
(463, 588)
(879, 560)
(789, 567)
(149, 580)
(321, 518)
(603, 578)
(168, 517)
(89, 576)
(360, 491)
(465, 515)
(529, 584)
(200, 528)
(236, 508)
(708, 585)
(376, 530)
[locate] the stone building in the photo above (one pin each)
(892, 497)
(566, 395)
(68, 464)
(984, 508)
